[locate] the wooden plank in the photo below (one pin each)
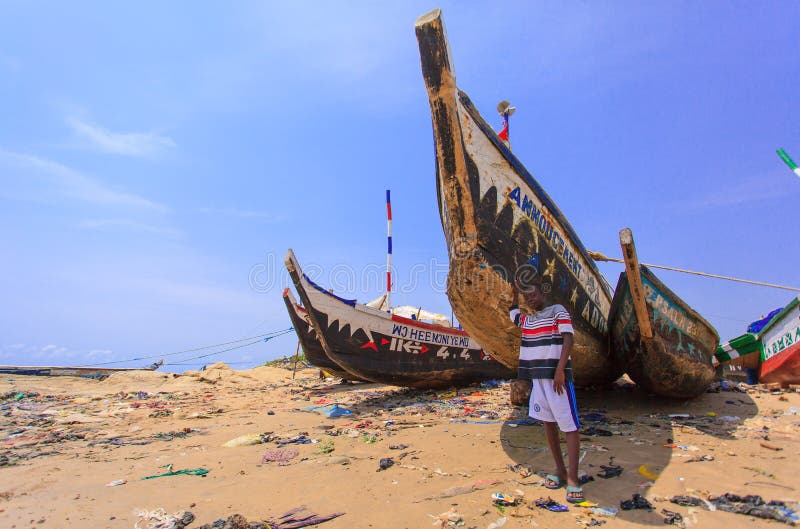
(635, 283)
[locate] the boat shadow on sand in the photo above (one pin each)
(650, 438)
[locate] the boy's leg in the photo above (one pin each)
(573, 447)
(551, 431)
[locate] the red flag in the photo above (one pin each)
(503, 134)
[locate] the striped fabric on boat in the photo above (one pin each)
(741, 345)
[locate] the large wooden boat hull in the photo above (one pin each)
(307, 336)
(389, 349)
(677, 360)
(780, 357)
(497, 218)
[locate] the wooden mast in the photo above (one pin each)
(635, 283)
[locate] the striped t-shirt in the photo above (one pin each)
(542, 341)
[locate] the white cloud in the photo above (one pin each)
(125, 143)
(76, 185)
(129, 225)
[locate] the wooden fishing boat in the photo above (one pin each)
(496, 219)
(744, 351)
(67, 371)
(666, 346)
(780, 356)
(387, 348)
(308, 339)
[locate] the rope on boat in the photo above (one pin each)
(261, 337)
(226, 350)
(597, 256)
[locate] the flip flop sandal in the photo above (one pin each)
(575, 495)
(553, 482)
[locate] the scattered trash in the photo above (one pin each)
(116, 483)
(338, 411)
(604, 511)
(609, 471)
(757, 507)
(524, 471)
(672, 518)
(159, 519)
(291, 520)
(398, 447)
(750, 505)
(249, 440)
(184, 472)
(592, 430)
(771, 446)
(385, 463)
(731, 418)
(298, 439)
(326, 447)
(687, 501)
(648, 472)
(462, 489)
(282, 456)
(504, 499)
(699, 459)
(447, 519)
(551, 505)
(636, 502)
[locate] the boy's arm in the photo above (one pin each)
(559, 380)
(514, 312)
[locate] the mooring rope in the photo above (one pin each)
(597, 256)
(261, 337)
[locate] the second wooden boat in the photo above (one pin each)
(387, 348)
(664, 344)
(497, 220)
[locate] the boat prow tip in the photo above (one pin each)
(428, 17)
(291, 261)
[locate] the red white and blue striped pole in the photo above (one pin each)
(389, 250)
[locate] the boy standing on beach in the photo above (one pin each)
(544, 360)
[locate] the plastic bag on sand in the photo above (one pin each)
(338, 411)
(246, 440)
(159, 519)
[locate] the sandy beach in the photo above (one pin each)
(65, 440)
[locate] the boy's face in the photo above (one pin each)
(534, 297)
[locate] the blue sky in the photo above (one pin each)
(154, 157)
